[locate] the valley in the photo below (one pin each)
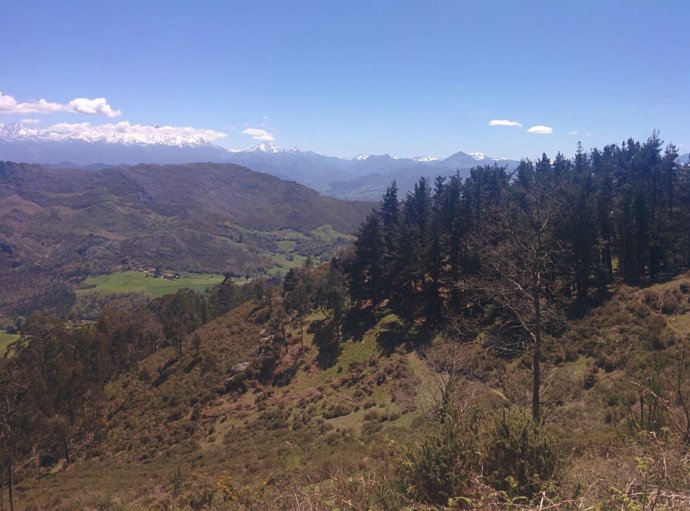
(61, 225)
(141, 282)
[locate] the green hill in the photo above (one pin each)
(66, 224)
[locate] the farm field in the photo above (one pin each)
(135, 281)
(5, 340)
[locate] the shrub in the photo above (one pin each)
(590, 379)
(337, 410)
(442, 465)
(571, 354)
(521, 456)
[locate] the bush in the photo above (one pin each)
(521, 456)
(590, 378)
(337, 410)
(441, 466)
(672, 302)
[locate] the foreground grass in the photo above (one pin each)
(134, 281)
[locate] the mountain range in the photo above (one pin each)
(362, 177)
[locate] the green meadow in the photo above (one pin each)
(135, 281)
(5, 340)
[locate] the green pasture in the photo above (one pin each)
(135, 281)
(5, 340)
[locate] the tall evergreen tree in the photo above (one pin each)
(367, 261)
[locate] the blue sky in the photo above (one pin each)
(345, 77)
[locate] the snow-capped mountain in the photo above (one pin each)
(364, 176)
(118, 133)
(86, 144)
(268, 148)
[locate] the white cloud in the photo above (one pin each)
(123, 132)
(259, 134)
(9, 105)
(574, 132)
(540, 130)
(96, 106)
(504, 122)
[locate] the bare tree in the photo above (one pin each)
(519, 258)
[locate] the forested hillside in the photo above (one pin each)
(521, 253)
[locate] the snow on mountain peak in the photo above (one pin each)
(425, 158)
(111, 133)
(478, 156)
(271, 148)
(265, 147)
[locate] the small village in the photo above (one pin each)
(158, 273)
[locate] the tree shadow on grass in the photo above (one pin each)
(325, 341)
(356, 323)
(395, 334)
(579, 308)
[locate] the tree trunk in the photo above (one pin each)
(536, 382)
(337, 319)
(9, 483)
(66, 448)
(34, 451)
(301, 332)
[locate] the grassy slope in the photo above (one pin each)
(134, 281)
(283, 249)
(292, 434)
(170, 439)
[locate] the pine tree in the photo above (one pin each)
(367, 262)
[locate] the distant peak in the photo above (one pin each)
(374, 156)
(478, 156)
(425, 158)
(271, 148)
(265, 147)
